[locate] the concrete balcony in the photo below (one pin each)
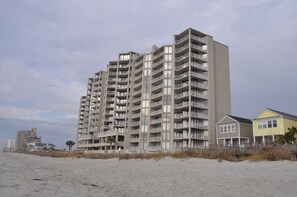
(136, 115)
(156, 130)
(156, 121)
(134, 139)
(183, 48)
(154, 80)
(135, 123)
(199, 57)
(158, 56)
(155, 139)
(202, 40)
(157, 112)
(156, 104)
(157, 96)
(85, 137)
(158, 87)
(199, 75)
(183, 39)
(178, 68)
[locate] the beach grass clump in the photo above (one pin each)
(58, 154)
(209, 154)
(271, 154)
(100, 155)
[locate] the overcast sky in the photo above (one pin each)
(48, 49)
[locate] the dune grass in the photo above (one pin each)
(269, 154)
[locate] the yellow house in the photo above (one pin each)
(270, 124)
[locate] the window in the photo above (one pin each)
(168, 65)
(168, 49)
(145, 103)
(167, 82)
(166, 108)
(270, 123)
(168, 57)
(124, 57)
(147, 65)
(148, 57)
(227, 128)
(167, 73)
(274, 123)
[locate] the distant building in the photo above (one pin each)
(26, 137)
(165, 100)
(9, 146)
(234, 131)
(40, 146)
(271, 124)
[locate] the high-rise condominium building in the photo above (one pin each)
(167, 99)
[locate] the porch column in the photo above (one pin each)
(239, 141)
(231, 141)
(273, 138)
(263, 139)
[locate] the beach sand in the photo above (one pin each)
(29, 175)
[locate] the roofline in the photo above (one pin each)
(275, 111)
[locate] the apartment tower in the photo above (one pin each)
(165, 100)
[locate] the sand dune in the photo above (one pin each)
(28, 175)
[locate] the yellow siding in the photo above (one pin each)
(266, 114)
(288, 123)
(268, 131)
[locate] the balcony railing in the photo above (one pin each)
(200, 57)
(159, 55)
(136, 115)
(156, 112)
(181, 66)
(200, 39)
(135, 123)
(137, 92)
(182, 48)
(185, 56)
(156, 104)
(156, 130)
(134, 139)
(181, 136)
(156, 121)
(136, 108)
(181, 40)
(157, 79)
(155, 139)
(157, 87)
(136, 100)
(157, 95)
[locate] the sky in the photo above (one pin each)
(48, 50)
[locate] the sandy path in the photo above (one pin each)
(27, 175)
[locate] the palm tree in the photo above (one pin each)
(110, 140)
(70, 143)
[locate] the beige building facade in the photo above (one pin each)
(165, 100)
(24, 138)
(234, 131)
